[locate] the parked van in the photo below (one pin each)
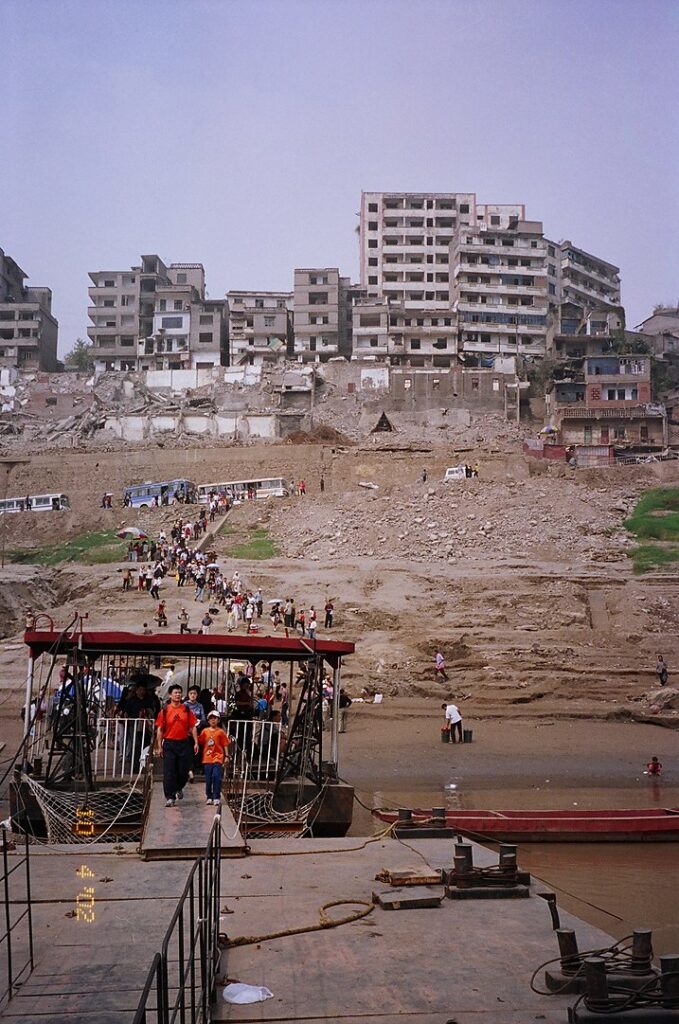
(454, 473)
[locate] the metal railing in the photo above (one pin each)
(119, 747)
(255, 749)
(181, 980)
(13, 917)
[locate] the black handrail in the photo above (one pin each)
(189, 954)
(15, 975)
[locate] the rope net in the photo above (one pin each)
(261, 820)
(92, 817)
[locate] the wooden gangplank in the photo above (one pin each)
(181, 832)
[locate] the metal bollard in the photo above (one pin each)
(642, 950)
(405, 814)
(438, 813)
(464, 858)
(669, 981)
(596, 984)
(507, 858)
(568, 950)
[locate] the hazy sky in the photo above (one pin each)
(240, 134)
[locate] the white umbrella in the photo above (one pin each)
(213, 565)
(275, 600)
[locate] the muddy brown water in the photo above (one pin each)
(615, 886)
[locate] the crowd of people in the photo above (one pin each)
(175, 558)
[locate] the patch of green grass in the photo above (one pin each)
(646, 525)
(87, 548)
(257, 546)
(650, 556)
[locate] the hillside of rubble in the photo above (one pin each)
(522, 576)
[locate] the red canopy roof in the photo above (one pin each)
(251, 647)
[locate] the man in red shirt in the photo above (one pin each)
(176, 726)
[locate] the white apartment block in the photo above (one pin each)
(505, 283)
(260, 326)
(404, 336)
(586, 279)
(156, 317)
(28, 331)
(405, 241)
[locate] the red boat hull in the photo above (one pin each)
(637, 825)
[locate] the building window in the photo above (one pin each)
(181, 278)
(494, 220)
(415, 343)
(259, 303)
(205, 337)
(372, 243)
(109, 283)
(464, 207)
(280, 304)
(372, 225)
(372, 207)
(172, 322)
(178, 304)
(126, 341)
(269, 321)
(372, 262)
(372, 280)
(475, 383)
(162, 305)
(205, 319)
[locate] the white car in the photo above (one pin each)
(454, 473)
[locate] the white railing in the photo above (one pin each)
(255, 749)
(120, 746)
(121, 743)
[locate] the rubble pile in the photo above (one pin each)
(459, 521)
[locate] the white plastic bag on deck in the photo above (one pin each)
(237, 992)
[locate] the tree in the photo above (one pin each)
(80, 356)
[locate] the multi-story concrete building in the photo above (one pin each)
(406, 337)
(260, 326)
(316, 304)
(28, 330)
(586, 279)
(503, 289)
(323, 313)
(662, 330)
(155, 317)
(405, 242)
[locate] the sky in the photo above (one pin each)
(241, 134)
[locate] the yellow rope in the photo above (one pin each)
(325, 921)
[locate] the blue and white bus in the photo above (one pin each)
(239, 490)
(36, 503)
(165, 492)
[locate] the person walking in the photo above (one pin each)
(214, 744)
(183, 621)
(176, 727)
(661, 670)
(440, 667)
(329, 612)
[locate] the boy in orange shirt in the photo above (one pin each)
(214, 744)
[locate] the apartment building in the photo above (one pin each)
(155, 316)
(405, 242)
(323, 313)
(587, 279)
(260, 326)
(28, 330)
(505, 282)
(405, 337)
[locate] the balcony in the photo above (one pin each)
(609, 281)
(630, 412)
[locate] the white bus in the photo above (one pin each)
(240, 490)
(36, 503)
